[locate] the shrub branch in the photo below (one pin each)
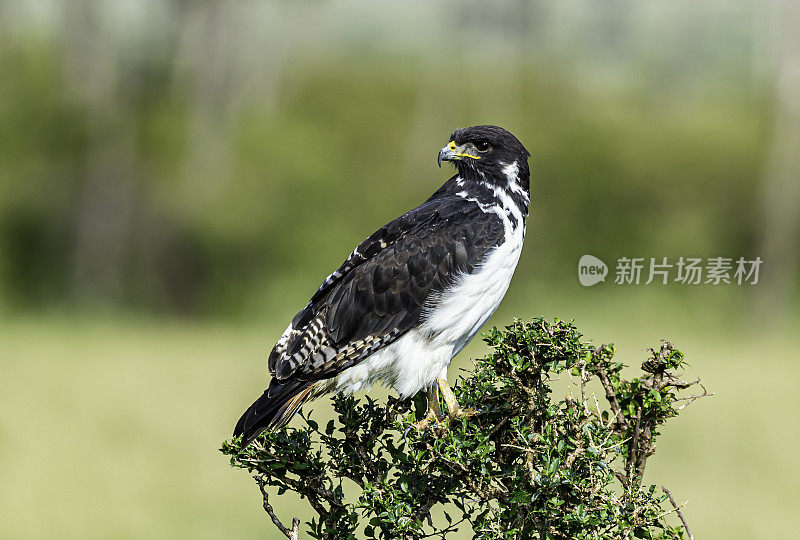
(525, 465)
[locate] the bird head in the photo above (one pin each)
(485, 151)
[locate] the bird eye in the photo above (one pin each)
(482, 146)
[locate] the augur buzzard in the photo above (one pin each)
(413, 294)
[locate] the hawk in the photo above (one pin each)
(412, 295)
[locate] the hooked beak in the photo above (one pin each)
(452, 152)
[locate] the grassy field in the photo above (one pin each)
(110, 427)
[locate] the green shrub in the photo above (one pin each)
(523, 465)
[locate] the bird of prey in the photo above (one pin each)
(413, 294)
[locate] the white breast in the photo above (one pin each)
(462, 310)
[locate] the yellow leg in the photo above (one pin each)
(434, 415)
(454, 409)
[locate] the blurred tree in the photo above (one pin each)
(780, 235)
(185, 156)
(107, 196)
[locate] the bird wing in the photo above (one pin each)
(379, 292)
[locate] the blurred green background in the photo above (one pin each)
(177, 177)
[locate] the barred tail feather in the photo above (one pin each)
(273, 410)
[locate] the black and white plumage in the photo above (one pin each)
(413, 294)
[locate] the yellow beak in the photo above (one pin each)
(453, 152)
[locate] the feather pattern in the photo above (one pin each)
(373, 302)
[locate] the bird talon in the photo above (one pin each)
(436, 427)
(462, 413)
(425, 426)
(427, 423)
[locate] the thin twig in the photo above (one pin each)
(692, 399)
(291, 534)
(499, 425)
(633, 453)
(680, 514)
(611, 396)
